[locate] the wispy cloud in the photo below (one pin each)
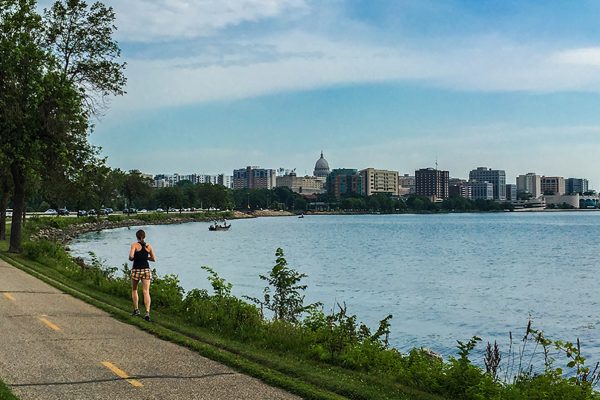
(587, 56)
(302, 61)
(163, 20)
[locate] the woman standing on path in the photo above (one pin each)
(140, 253)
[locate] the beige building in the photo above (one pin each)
(553, 185)
(302, 184)
(530, 184)
(379, 181)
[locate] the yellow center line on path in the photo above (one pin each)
(122, 374)
(9, 296)
(49, 324)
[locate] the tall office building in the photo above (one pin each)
(481, 190)
(432, 183)
(530, 184)
(496, 177)
(254, 178)
(553, 185)
(379, 181)
(576, 185)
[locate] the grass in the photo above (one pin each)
(311, 380)
(5, 393)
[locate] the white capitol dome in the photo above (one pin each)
(321, 167)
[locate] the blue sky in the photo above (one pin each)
(218, 85)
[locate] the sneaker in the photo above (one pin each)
(136, 313)
(147, 317)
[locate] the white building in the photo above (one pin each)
(530, 184)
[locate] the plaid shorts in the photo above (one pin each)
(139, 274)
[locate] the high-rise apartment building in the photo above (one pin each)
(576, 185)
(254, 178)
(496, 177)
(379, 181)
(553, 185)
(432, 183)
(530, 184)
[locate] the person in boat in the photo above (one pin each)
(140, 253)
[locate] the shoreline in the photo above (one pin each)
(68, 233)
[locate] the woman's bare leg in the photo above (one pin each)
(146, 291)
(134, 293)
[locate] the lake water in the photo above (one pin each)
(442, 277)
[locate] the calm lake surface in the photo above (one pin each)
(442, 277)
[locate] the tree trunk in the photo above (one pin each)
(3, 205)
(18, 209)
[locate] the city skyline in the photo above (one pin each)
(395, 84)
(280, 171)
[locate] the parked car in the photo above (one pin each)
(63, 211)
(9, 212)
(160, 210)
(91, 212)
(81, 213)
(172, 209)
(50, 211)
(143, 210)
(109, 210)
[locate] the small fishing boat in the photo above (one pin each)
(301, 216)
(217, 227)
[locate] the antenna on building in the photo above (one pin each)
(436, 162)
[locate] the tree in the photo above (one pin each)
(80, 37)
(135, 187)
(22, 61)
(169, 197)
(54, 73)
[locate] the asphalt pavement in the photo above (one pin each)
(53, 346)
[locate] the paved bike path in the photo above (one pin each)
(53, 346)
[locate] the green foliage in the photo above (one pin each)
(220, 286)
(166, 292)
(284, 295)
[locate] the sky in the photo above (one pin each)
(391, 84)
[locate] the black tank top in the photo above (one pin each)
(140, 258)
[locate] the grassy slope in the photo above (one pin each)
(311, 380)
